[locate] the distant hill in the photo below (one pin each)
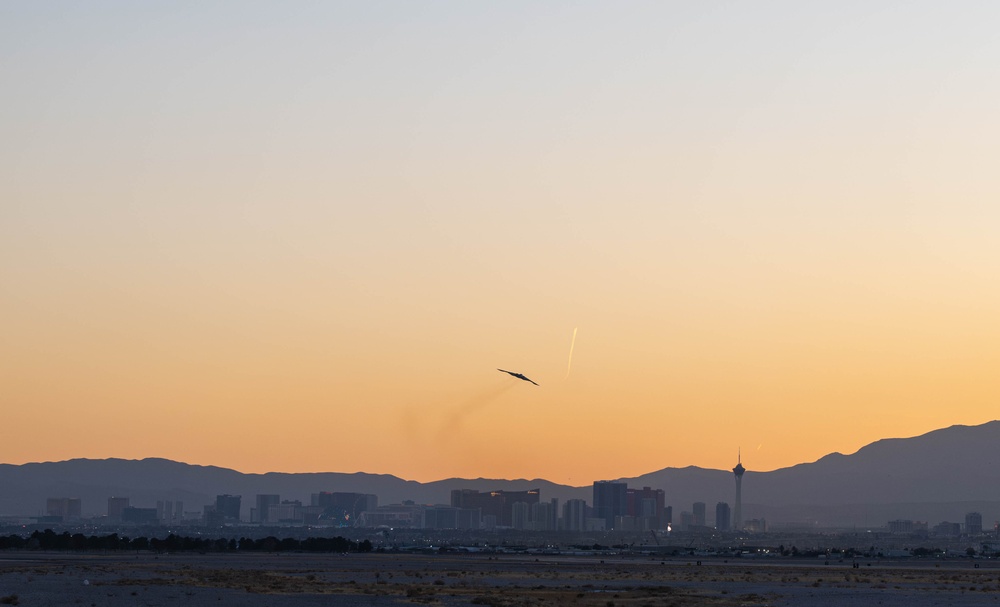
(937, 476)
(24, 488)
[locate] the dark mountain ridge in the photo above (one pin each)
(888, 478)
(24, 488)
(936, 476)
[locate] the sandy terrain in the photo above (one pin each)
(301, 580)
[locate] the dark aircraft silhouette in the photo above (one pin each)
(517, 375)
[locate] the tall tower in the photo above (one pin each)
(610, 501)
(738, 510)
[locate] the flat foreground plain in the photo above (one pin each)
(306, 580)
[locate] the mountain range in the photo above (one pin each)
(934, 477)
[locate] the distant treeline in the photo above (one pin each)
(50, 540)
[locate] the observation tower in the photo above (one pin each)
(738, 510)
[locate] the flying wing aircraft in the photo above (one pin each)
(517, 375)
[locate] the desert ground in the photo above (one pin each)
(383, 579)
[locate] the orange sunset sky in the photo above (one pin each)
(303, 236)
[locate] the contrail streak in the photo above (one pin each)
(569, 364)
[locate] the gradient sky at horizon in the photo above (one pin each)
(303, 236)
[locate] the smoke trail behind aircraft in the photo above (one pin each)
(472, 405)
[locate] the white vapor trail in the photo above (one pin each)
(569, 365)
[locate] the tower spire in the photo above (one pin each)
(738, 473)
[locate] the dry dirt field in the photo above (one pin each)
(306, 580)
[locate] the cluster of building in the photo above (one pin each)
(332, 508)
(973, 527)
(615, 506)
(120, 510)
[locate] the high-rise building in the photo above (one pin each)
(69, 508)
(227, 507)
(902, 526)
(139, 516)
(164, 510)
(722, 516)
(496, 504)
(263, 510)
(470, 518)
(520, 515)
(610, 500)
(759, 525)
(646, 505)
(574, 515)
(541, 516)
(698, 514)
(446, 517)
(687, 521)
(288, 511)
(440, 517)
(116, 506)
(973, 523)
(738, 510)
(342, 507)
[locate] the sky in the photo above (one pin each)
(303, 236)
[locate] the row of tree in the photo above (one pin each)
(50, 540)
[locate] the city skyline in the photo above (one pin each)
(947, 474)
(304, 237)
(643, 511)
